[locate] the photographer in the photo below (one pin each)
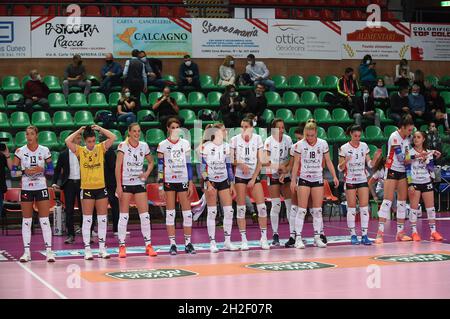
(5, 161)
(166, 107)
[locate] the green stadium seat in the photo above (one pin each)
(145, 124)
(57, 101)
(330, 82)
(197, 99)
(20, 139)
(374, 134)
(154, 136)
(389, 129)
(321, 133)
(309, 98)
(82, 118)
(97, 100)
(180, 98)
(234, 131)
(12, 99)
(113, 99)
(296, 82)
(207, 82)
(41, 119)
(336, 134)
(446, 96)
(372, 150)
(323, 116)
(25, 79)
(302, 115)
(188, 116)
(268, 116)
(144, 102)
(2, 103)
(291, 98)
(10, 142)
(214, 98)
(11, 84)
(52, 83)
(262, 132)
(119, 137)
(341, 116)
(196, 135)
(19, 120)
(314, 82)
(77, 100)
(280, 82)
(55, 157)
(4, 122)
(383, 118)
(62, 138)
(322, 97)
(273, 99)
(286, 115)
(432, 79)
(153, 97)
(49, 139)
(291, 133)
(170, 78)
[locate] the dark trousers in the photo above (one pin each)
(114, 203)
(26, 105)
(232, 119)
(183, 84)
(108, 82)
(71, 193)
(136, 87)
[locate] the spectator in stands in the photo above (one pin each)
(403, 74)
(347, 87)
(5, 162)
(436, 108)
(75, 75)
(35, 92)
(258, 73)
(231, 106)
(365, 108)
(166, 107)
(126, 107)
(111, 74)
(367, 73)
(255, 103)
(188, 74)
(67, 179)
(416, 102)
(152, 76)
(399, 104)
(135, 77)
(419, 79)
(227, 73)
(380, 94)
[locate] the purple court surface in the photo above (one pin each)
(391, 270)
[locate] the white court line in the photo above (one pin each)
(442, 218)
(46, 284)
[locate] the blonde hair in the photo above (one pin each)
(226, 61)
(311, 124)
(32, 128)
(130, 127)
(208, 134)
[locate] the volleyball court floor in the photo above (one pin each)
(391, 270)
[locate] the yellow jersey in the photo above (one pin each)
(92, 166)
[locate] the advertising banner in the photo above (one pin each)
(430, 42)
(15, 37)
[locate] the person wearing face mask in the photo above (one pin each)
(347, 87)
(75, 75)
(365, 108)
(135, 77)
(367, 73)
(380, 94)
(399, 104)
(111, 74)
(231, 105)
(403, 74)
(188, 75)
(35, 92)
(126, 107)
(227, 72)
(152, 74)
(256, 103)
(417, 104)
(166, 107)
(258, 72)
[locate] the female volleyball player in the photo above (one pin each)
(277, 147)
(175, 178)
(93, 191)
(247, 156)
(395, 179)
(218, 178)
(353, 157)
(35, 162)
(309, 155)
(131, 178)
(420, 172)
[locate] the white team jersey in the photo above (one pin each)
(355, 171)
(215, 156)
(133, 162)
(246, 153)
(392, 161)
(279, 152)
(29, 159)
(311, 168)
(419, 171)
(175, 166)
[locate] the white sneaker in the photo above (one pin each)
(319, 243)
(299, 243)
(88, 254)
(229, 246)
(103, 254)
(264, 244)
(244, 245)
(25, 258)
(50, 256)
(213, 247)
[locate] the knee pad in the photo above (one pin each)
(276, 207)
(241, 212)
(262, 210)
(431, 213)
(228, 212)
(364, 210)
(413, 215)
(170, 217)
(401, 209)
(385, 209)
(187, 218)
